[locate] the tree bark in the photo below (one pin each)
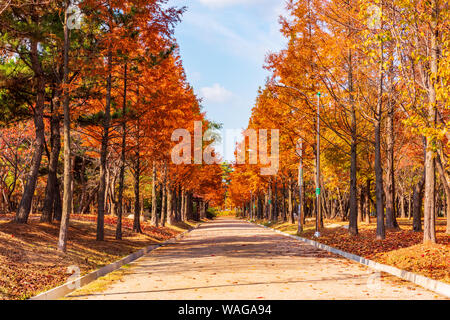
(104, 154)
(290, 202)
(283, 203)
(402, 207)
(179, 201)
(270, 200)
(137, 202)
(164, 205)
(380, 233)
(83, 182)
(155, 219)
(391, 221)
(188, 204)
(57, 210)
(67, 183)
(170, 207)
(183, 205)
(259, 210)
(417, 204)
(429, 232)
(122, 158)
(361, 206)
(445, 179)
(353, 217)
(52, 180)
(23, 210)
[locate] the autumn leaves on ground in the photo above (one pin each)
(91, 93)
(402, 248)
(30, 263)
(99, 127)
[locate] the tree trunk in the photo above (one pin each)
(353, 217)
(164, 205)
(188, 204)
(266, 206)
(202, 210)
(155, 219)
(170, 208)
(429, 231)
(179, 202)
(290, 203)
(417, 204)
(122, 158)
(83, 182)
(271, 209)
(57, 210)
(361, 206)
(67, 180)
(183, 205)
(283, 203)
(402, 206)
(380, 233)
(103, 155)
(259, 211)
(324, 211)
(52, 180)
(23, 211)
(391, 221)
(137, 203)
(445, 179)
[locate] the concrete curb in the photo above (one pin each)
(425, 282)
(68, 287)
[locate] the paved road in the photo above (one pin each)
(232, 259)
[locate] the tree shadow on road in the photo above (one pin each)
(341, 278)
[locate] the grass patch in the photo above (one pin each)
(183, 226)
(226, 213)
(99, 285)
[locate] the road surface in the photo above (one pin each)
(232, 259)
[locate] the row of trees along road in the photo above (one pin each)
(383, 71)
(117, 90)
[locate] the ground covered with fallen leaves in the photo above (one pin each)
(402, 248)
(30, 263)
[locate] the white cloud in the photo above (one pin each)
(247, 34)
(226, 38)
(216, 94)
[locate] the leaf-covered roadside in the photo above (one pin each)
(402, 249)
(30, 263)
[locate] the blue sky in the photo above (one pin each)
(223, 44)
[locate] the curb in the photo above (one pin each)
(425, 282)
(68, 287)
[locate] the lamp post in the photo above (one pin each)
(317, 233)
(251, 204)
(300, 185)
